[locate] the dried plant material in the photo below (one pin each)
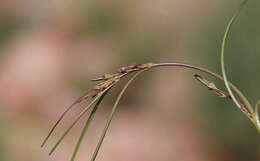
(105, 77)
(108, 81)
(111, 115)
(212, 87)
(92, 93)
(124, 71)
(245, 110)
(136, 67)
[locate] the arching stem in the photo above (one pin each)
(215, 75)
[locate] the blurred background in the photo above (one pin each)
(49, 51)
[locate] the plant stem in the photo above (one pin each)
(110, 117)
(185, 65)
(86, 126)
(204, 70)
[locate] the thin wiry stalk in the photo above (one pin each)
(204, 70)
(86, 126)
(185, 65)
(55, 125)
(61, 117)
(223, 45)
(256, 116)
(92, 93)
(77, 119)
(257, 106)
(100, 141)
(72, 125)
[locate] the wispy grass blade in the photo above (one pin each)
(72, 125)
(86, 126)
(257, 106)
(77, 119)
(101, 139)
(55, 125)
(257, 121)
(226, 34)
(58, 121)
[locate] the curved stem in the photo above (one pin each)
(256, 116)
(223, 46)
(180, 64)
(204, 70)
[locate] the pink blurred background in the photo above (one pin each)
(49, 51)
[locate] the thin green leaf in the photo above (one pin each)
(86, 126)
(100, 141)
(227, 84)
(77, 119)
(257, 121)
(83, 97)
(257, 106)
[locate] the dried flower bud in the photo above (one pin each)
(123, 71)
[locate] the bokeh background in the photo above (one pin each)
(49, 51)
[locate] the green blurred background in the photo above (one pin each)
(49, 51)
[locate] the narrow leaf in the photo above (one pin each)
(100, 141)
(227, 84)
(257, 121)
(78, 118)
(83, 97)
(257, 106)
(86, 126)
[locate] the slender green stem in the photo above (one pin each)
(86, 126)
(71, 126)
(77, 119)
(226, 34)
(93, 158)
(256, 116)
